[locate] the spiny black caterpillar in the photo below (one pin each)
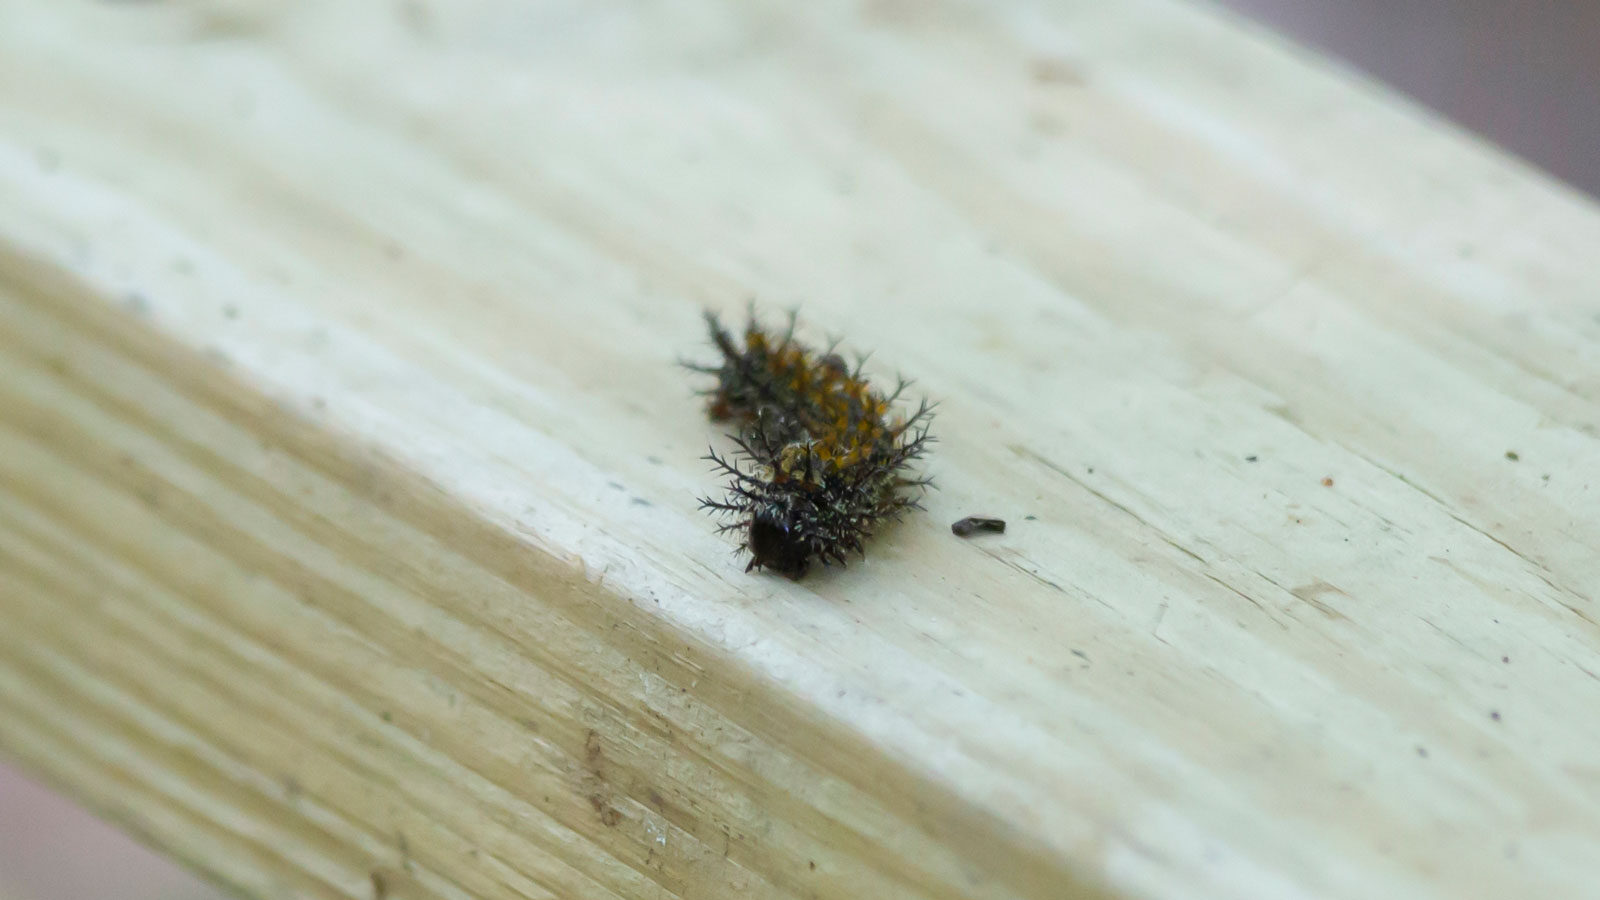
(820, 463)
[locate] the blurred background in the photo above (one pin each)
(1523, 73)
(53, 850)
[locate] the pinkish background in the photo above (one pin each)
(1524, 73)
(52, 850)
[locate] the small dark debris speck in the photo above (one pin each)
(1512, 455)
(1057, 70)
(974, 524)
(1031, 518)
(1494, 714)
(1251, 458)
(1505, 659)
(1422, 751)
(1327, 482)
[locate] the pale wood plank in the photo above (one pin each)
(349, 530)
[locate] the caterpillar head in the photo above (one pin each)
(777, 543)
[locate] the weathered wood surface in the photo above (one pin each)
(347, 485)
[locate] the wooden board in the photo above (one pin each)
(348, 483)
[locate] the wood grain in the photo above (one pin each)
(349, 530)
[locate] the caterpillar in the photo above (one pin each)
(821, 461)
